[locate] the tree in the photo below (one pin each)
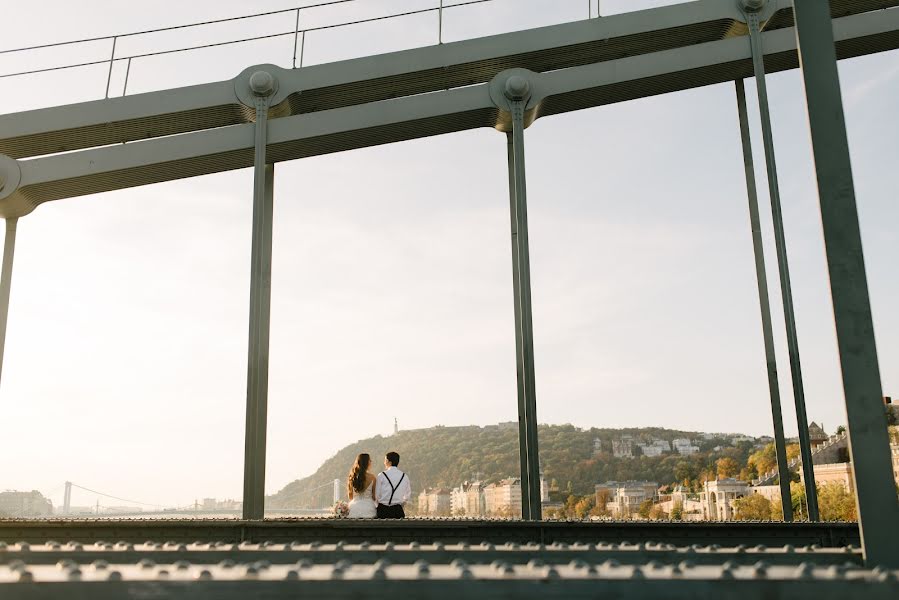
(727, 467)
(656, 513)
(763, 460)
(644, 509)
(584, 506)
(841, 430)
(677, 511)
(836, 503)
(753, 507)
(797, 498)
(792, 451)
(684, 471)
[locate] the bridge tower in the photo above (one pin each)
(67, 499)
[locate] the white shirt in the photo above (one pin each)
(403, 488)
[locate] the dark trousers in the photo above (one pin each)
(394, 511)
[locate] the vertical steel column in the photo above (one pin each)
(517, 91)
(805, 448)
(519, 356)
(9, 250)
(878, 509)
(262, 85)
(783, 470)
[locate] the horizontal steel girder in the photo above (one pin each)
(387, 76)
(404, 118)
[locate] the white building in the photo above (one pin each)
(24, 504)
(625, 497)
(503, 498)
(718, 498)
(684, 446)
(434, 501)
(468, 499)
(655, 448)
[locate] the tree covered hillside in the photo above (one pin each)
(447, 456)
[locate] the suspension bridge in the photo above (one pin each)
(269, 114)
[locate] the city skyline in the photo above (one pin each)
(126, 351)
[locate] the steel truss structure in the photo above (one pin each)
(268, 114)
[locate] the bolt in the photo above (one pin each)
(204, 575)
(536, 563)
(517, 87)
(25, 577)
(292, 575)
(304, 563)
(114, 576)
(64, 564)
(100, 565)
(753, 5)
(146, 563)
(262, 83)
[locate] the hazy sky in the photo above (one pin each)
(126, 353)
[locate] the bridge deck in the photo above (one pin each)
(429, 530)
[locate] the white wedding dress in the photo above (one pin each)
(362, 506)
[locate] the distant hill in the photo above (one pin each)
(447, 456)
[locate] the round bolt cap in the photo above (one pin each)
(262, 83)
(517, 87)
(753, 5)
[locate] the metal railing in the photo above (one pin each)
(299, 36)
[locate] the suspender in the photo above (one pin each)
(393, 488)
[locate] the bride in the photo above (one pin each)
(361, 489)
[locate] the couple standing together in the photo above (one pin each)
(381, 496)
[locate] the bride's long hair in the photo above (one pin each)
(356, 479)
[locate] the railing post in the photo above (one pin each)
(262, 85)
(440, 23)
(111, 62)
(296, 35)
(751, 10)
(783, 470)
(127, 73)
(875, 489)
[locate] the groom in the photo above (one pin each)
(393, 489)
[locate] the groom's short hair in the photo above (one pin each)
(394, 458)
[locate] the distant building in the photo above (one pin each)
(435, 502)
(684, 446)
(597, 445)
(503, 498)
(840, 473)
(649, 450)
(623, 447)
(736, 439)
(24, 504)
(718, 498)
(625, 497)
(816, 435)
(468, 499)
(655, 448)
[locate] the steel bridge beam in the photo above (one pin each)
(227, 148)
(386, 76)
(875, 488)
